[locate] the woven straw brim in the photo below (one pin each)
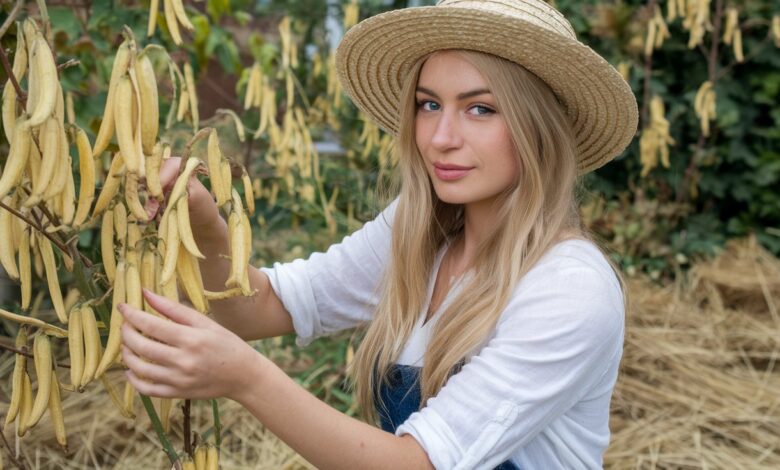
(375, 56)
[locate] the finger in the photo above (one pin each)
(175, 311)
(151, 389)
(168, 172)
(147, 348)
(150, 372)
(152, 206)
(152, 326)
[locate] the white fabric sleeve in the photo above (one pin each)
(560, 333)
(338, 289)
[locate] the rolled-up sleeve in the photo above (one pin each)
(557, 338)
(338, 289)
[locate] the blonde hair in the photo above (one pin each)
(540, 210)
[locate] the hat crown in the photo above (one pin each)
(536, 12)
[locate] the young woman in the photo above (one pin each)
(495, 325)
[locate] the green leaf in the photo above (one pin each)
(65, 20)
(217, 8)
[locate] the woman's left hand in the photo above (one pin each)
(190, 356)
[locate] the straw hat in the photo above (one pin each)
(375, 56)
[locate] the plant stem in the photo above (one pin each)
(37, 227)
(83, 274)
(201, 134)
(11, 17)
(18, 463)
(21, 95)
(712, 63)
(186, 412)
(648, 71)
(157, 425)
(217, 425)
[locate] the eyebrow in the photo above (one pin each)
(461, 96)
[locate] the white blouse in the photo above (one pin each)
(536, 393)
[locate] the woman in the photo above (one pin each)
(495, 325)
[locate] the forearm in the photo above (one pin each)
(261, 315)
(322, 435)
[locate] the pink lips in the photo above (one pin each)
(449, 172)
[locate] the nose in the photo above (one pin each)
(447, 132)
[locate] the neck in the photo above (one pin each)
(479, 217)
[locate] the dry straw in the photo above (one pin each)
(375, 56)
(699, 386)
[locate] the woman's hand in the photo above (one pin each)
(190, 356)
(203, 209)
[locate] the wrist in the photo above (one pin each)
(254, 377)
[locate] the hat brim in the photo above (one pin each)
(375, 56)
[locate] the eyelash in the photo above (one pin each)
(489, 110)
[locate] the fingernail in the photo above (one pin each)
(122, 307)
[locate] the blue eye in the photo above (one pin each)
(484, 108)
(421, 104)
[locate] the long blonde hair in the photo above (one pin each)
(534, 214)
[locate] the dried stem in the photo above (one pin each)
(185, 407)
(37, 227)
(18, 463)
(21, 95)
(712, 76)
(11, 17)
(25, 352)
(648, 70)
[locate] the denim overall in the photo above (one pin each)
(402, 398)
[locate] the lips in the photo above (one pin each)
(450, 172)
(450, 166)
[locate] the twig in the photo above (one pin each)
(648, 70)
(712, 63)
(11, 17)
(722, 72)
(18, 463)
(36, 226)
(21, 95)
(185, 408)
(248, 154)
(69, 63)
(25, 352)
(201, 134)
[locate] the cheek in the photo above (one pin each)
(504, 147)
(420, 134)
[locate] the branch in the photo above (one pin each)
(712, 76)
(722, 73)
(24, 352)
(11, 17)
(646, 86)
(21, 95)
(186, 431)
(69, 63)
(18, 463)
(37, 227)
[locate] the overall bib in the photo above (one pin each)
(402, 398)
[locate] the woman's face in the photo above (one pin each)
(464, 141)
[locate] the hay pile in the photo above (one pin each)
(100, 437)
(699, 387)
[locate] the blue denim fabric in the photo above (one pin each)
(401, 398)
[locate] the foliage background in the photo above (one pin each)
(715, 188)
